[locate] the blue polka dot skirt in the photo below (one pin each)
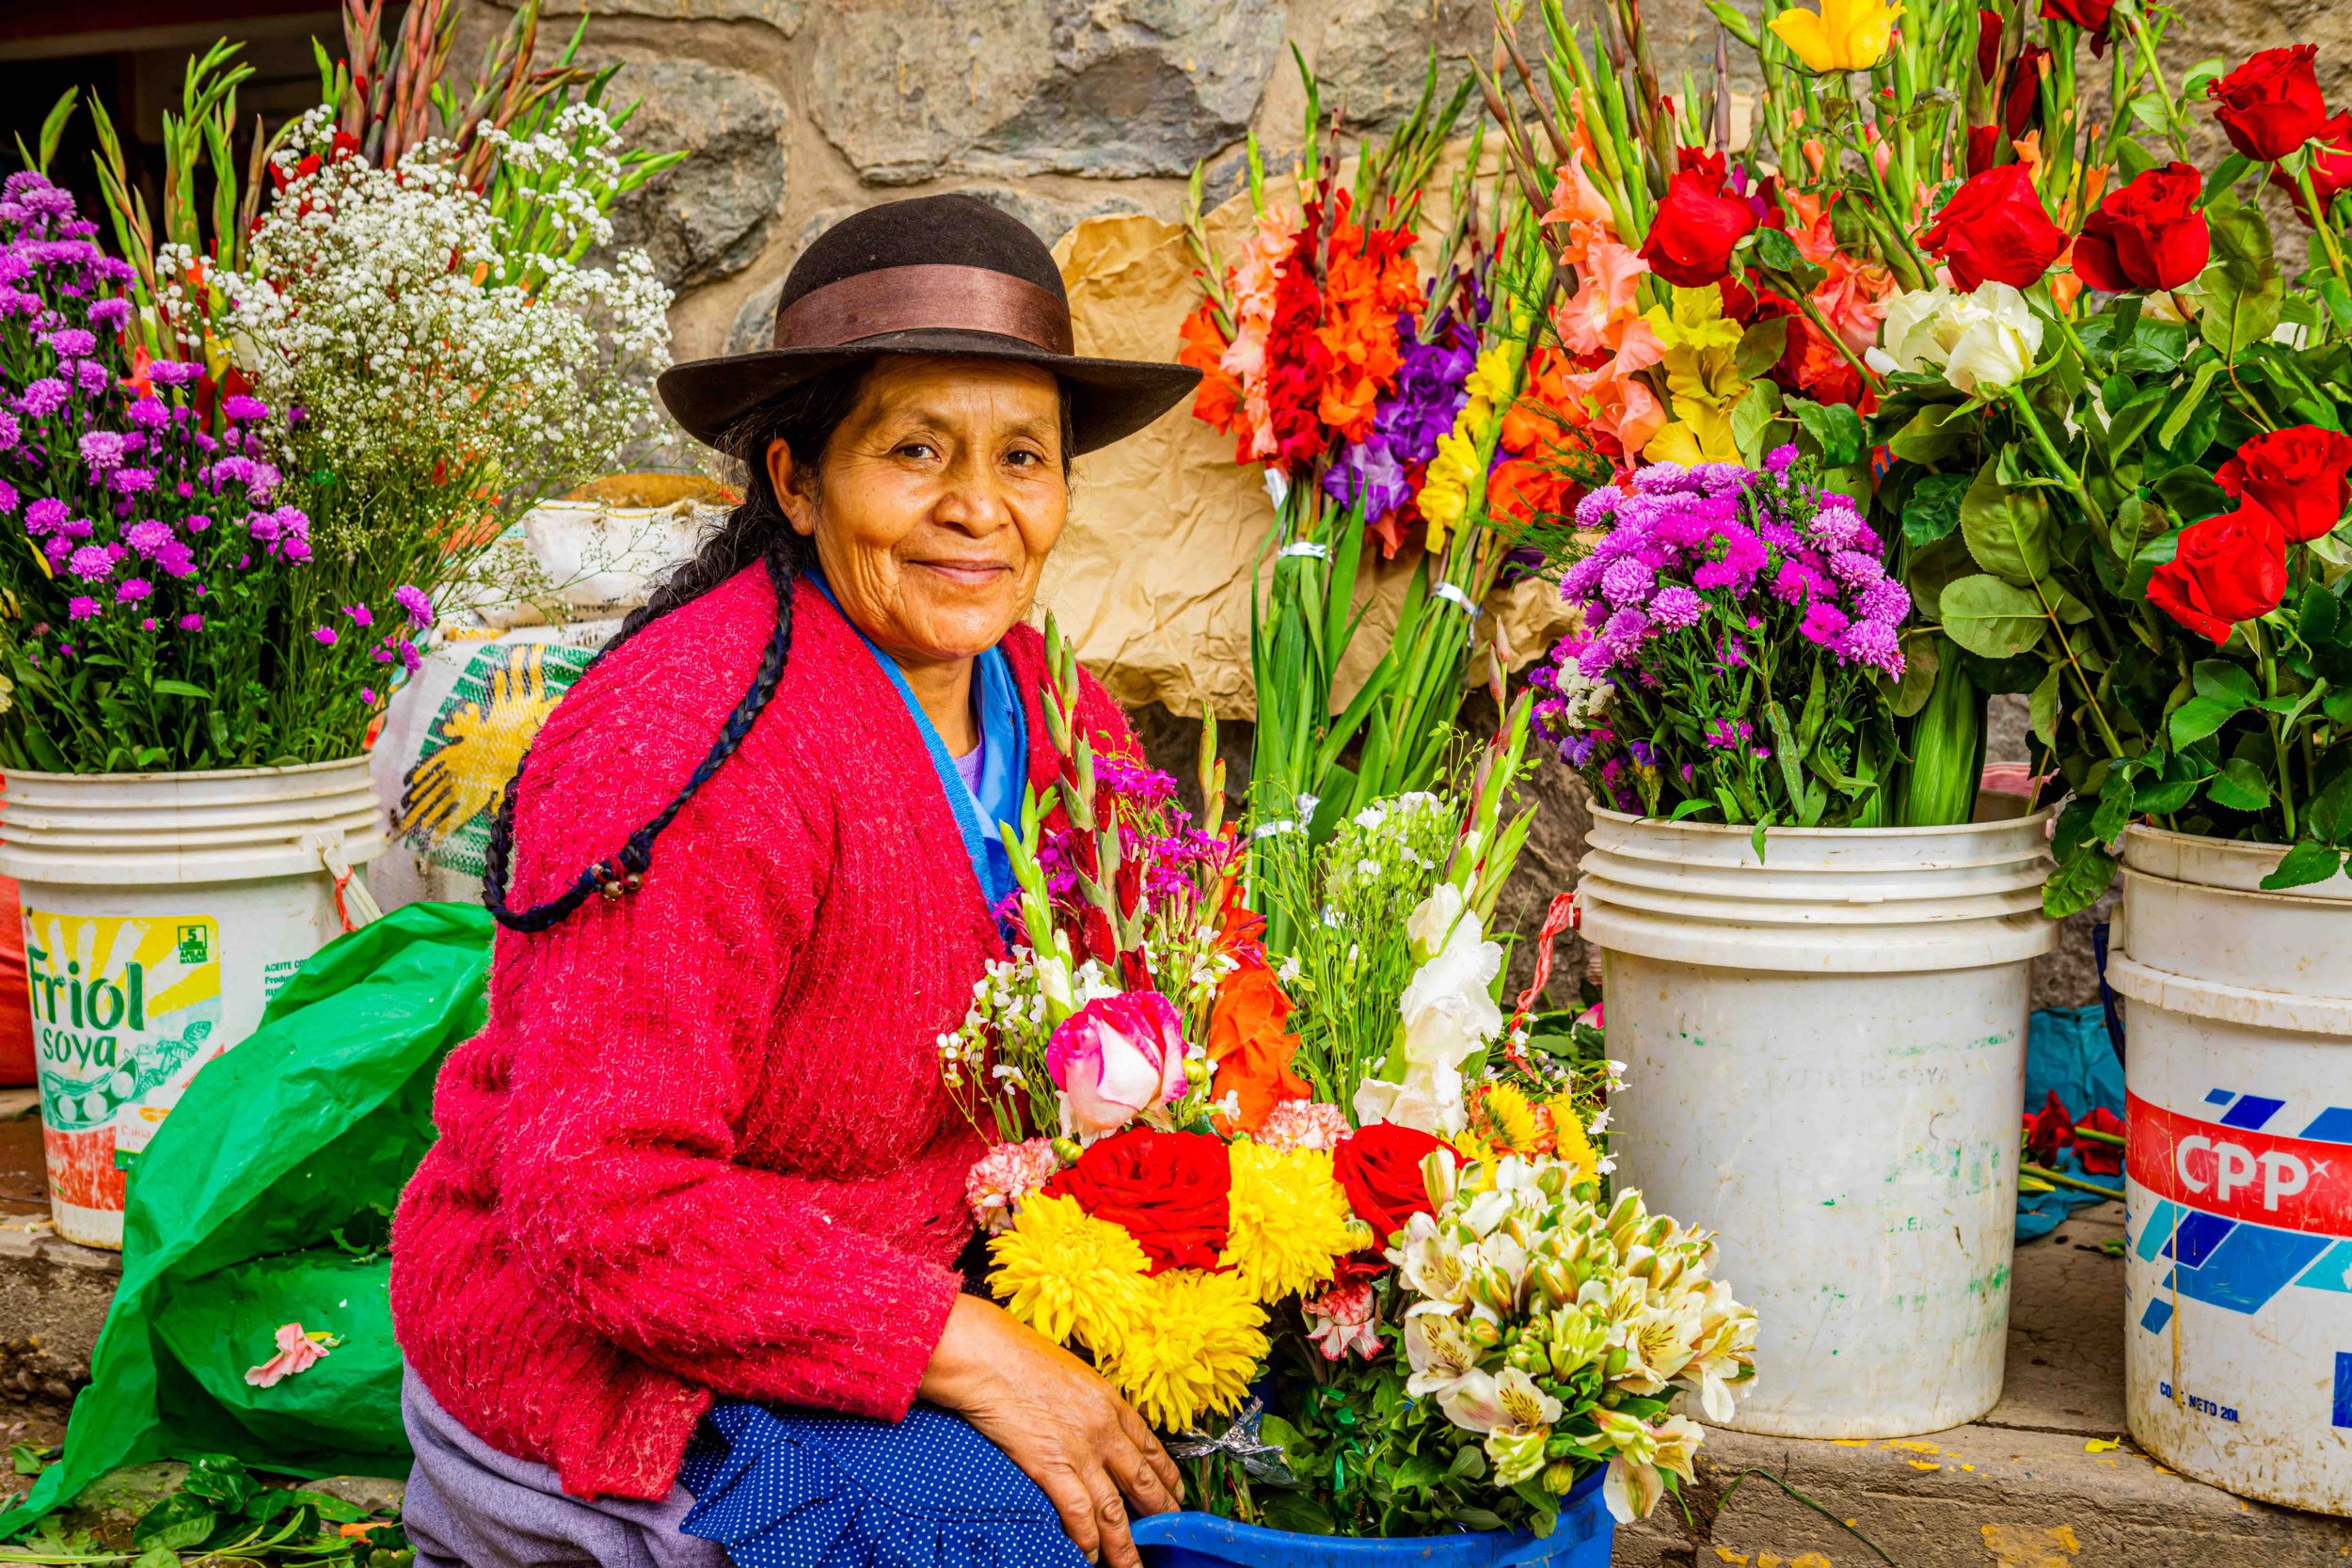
(797, 1489)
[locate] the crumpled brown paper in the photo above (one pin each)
(1153, 575)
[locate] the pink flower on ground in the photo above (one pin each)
(298, 1351)
(1303, 1124)
(1117, 1057)
(1001, 1177)
(1344, 1318)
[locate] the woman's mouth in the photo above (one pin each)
(966, 573)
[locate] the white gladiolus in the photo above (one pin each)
(1980, 341)
(1447, 1013)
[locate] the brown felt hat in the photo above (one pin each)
(947, 275)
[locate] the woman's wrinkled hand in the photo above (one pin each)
(1054, 1417)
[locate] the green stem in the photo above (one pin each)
(2050, 454)
(2319, 221)
(2278, 741)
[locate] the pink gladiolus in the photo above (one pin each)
(296, 1353)
(1117, 1057)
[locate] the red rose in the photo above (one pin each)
(2089, 15)
(2021, 97)
(2271, 104)
(1380, 1167)
(1170, 1190)
(2225, 570)
(2297, 475)
(1695, 229)
(1995, 228)
(2332, 168)
(2148, 236)
(1988, 42)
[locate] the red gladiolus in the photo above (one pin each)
(2271, 104)
(1984, 147)
(1692, 234)
(1995, 228)
(2297, 475)
(2224, 570)
(1988, 42)
(2023, 95)
(2148, 236)
(2331, 168)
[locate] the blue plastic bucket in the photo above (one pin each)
(1581, 1538)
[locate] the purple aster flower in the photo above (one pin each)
(7, 499)
(1675, 607)
(1627, 582)
(175, 560)
(133, 590)
(361, 615)
(103, 449)
(147, 535)
(1885, 600)
(77, 528)
(92, 564)
(1874, 643)
(413, 600)
(43, 397)
(174, 373)
(242, 409)
(72, 342)
(90, 376)
(191, 623)
(367, 696)
(1823, 623)
(149, 413)
(130, 482)
(1836, 527)
(263, 526)
(1643, 752)
(1780, 460)
(1795, 582)
(111, 314)
(81, 608)
(198, 522)
(9, 431)
(1856, 570)
(1625, 631)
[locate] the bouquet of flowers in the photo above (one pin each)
(166, 610)
(1380, 402)
(1278, 1251)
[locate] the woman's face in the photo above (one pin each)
(936, 502)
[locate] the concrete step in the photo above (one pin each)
(2048, 1480)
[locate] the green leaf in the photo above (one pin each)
(2043, 709)
(1933, 433)
(2226, 173)
(2223, 681)
(2131, 159)
(2080, 879)
(2337, 705)
(1778, 253)
(2178, 420)
(2008, 531)
(1932, 508)
(25, 1458)
(1761, 346)
(220, 1478)
(181, 1520)
(2241, 285)
(2129, 421)
(2304, 864)
(1987, 616)
(2239, 786)
(181, 689)
(1921, 659)
(2114, 813)
(2199, 718)
(2317, 614)
(1751, 416)
(157, 1557)
(1836, 428)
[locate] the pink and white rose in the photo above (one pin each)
(1117, 1057)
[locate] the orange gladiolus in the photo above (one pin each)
(1250, 1041)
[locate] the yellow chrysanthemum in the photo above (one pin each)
(1573, 1148)
(1290, 1220)
(1070, 1276)
(1199, 1345)
(1512, 1118)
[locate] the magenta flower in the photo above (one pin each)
(1117, 1057)
(191, 623)
(133, 590)
(81, 608)
(92, 564)
(413, 600)
(326, 636)
(244, 410)
(367, 696)
(361, 614)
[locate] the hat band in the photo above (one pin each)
(928, 297)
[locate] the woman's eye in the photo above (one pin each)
(917, 449)
(1023, 459)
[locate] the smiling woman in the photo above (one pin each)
(689, 1250)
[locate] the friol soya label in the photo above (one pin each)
(126, 1009)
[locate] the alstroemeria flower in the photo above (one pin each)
(298, 1351)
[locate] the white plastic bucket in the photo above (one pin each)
(2237, 1364)
(161, 912)
(1825, 1056)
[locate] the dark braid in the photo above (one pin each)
(803, 419)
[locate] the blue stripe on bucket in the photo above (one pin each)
(2198, 1234)
(2343, 1390)
(2158, 1229)
(2331, 1126)
(2251, 1112)
(2333, 1272)
(2158, 1314)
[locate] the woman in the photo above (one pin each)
(700, 1162)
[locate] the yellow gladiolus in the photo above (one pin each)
(1844, 35)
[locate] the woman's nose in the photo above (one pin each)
(974, 499)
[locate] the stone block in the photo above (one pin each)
(709, 217)
(785, 16)
(912, 89)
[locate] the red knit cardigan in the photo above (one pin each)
(701, 1149)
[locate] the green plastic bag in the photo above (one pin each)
(308, 1130)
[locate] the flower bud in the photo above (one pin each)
(1067, 1150)
(1482, 1333)
(1440, 1176)
(1560, 1477)
(1553, 1179)
(1198, 1074)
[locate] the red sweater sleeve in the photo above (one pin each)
(641, 1033)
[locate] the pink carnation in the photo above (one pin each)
(1001, 1177)
(1302, 1124)
(1344, 1318)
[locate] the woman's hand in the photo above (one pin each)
(1055, 1418)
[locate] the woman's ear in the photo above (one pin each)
(796, 488)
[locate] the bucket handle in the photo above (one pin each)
(354, 906)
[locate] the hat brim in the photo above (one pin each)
(1110, 399)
